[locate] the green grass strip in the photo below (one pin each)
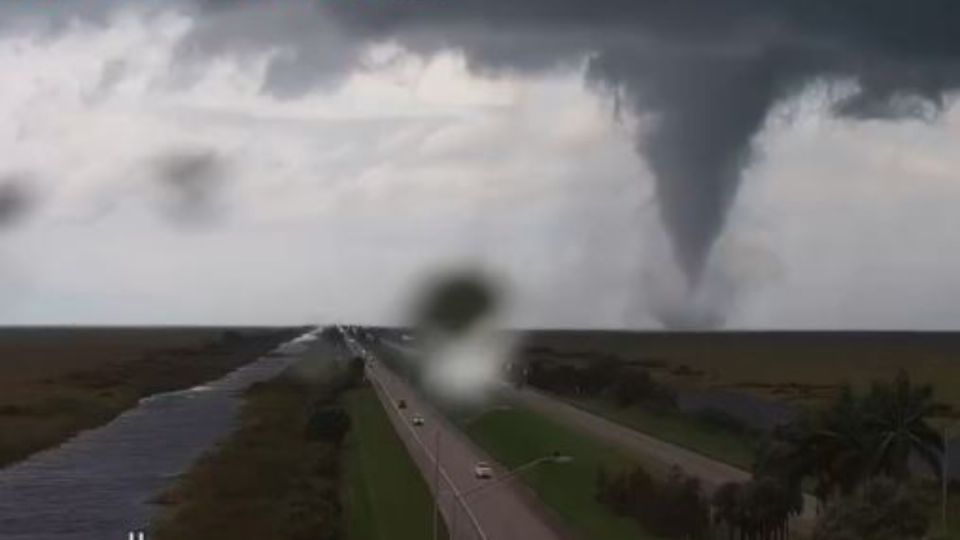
(682, 430)
(385, 493)
(517, 436)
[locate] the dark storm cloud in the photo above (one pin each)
(703, 74)
(51, 18)
(309, 51)
(707, 73)
(190, 183)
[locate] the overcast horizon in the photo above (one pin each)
(162, 166)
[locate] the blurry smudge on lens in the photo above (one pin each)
(17, 199)
(461, 347)
(191, 184)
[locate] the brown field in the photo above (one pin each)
(803, 367)
(55, 382)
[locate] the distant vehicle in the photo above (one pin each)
(401, 404)
(417, 420)
(482, 470)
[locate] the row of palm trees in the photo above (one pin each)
(882, 433)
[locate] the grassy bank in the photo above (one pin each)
(682, 430)
(276, 477)
(281, 476)
(517, 436)
(57, 382)
(385, 494)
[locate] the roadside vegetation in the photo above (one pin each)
(57, 382)
(314, 457)
(630, 395)
(515, 437)
(712, 434)
(869, 453)
(860, 455)
(278, 475)
(871, 456)
(385, 495)
(807, 368)
(671, 507)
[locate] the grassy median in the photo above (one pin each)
(385, 494)
(681, 429)
(517, 436)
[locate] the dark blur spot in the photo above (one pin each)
(455, 303)
(191, 183)
(16, 201)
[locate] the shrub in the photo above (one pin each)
(759, 509)
(675, 508)
(636, 386)
(881, 509)
(328, 424)
(722, 420)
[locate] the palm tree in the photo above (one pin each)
(842, 446)
(833, 448)
(897, 414)
(856, 439)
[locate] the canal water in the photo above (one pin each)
(99, 484)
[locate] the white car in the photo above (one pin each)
(482, 470)
(417, 420)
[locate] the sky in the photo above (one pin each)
(165, 168)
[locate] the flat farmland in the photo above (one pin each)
(800, 367)
(55, 382)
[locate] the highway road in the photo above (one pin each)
(713, 473)
(505, 511)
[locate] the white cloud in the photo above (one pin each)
(337, 202)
